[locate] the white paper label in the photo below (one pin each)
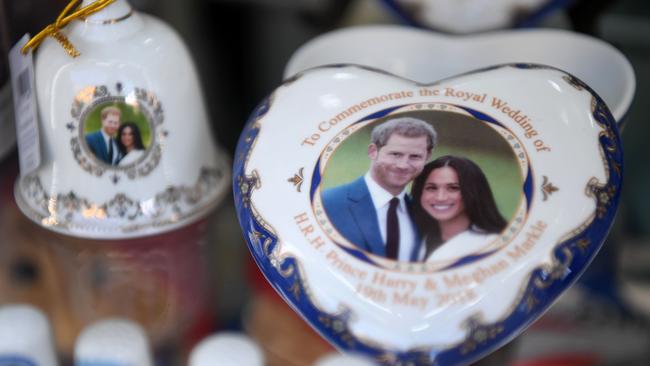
(25, 107)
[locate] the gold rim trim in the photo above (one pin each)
(111, 21)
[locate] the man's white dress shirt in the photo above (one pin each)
(381, 200)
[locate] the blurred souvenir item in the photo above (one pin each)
(112, 342)
(126, 146)
(25, 337)
(338, 359)
(227, 348)
(425, 56)
(30, 273)
(427, 223)
(581, 325)
(7, 126)
(160, 282)
(468, 16)
(283, 335)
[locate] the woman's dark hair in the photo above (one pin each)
(137, 138)
(476, 195)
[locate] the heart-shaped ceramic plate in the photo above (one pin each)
(551, 155)
(426, 56)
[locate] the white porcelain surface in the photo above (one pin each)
(113, 342)
(426, 56)
(227, 348)
(140, 64)
(25, 337)
(450, 309)
(337, 359)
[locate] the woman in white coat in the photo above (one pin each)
(129, 141)
(454, 209)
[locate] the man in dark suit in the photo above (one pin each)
(102, 143)
(373, 211)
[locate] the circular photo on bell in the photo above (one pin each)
(116, 133)
(430, 184)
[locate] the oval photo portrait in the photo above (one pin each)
(116, 133)
(423, 186)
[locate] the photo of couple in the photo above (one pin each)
(117, 142)
(407, 205)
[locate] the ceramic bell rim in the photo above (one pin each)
(552, 160)
(126, 146)
(426, 56)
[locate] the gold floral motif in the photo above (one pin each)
(599, 111)
(85, 163)
(387, 358)
(297, 179)
(604, 195)
(531, 302)
(557, 271)
(267, 246)
(295, 290)
(286, 273)
(583, 244)
(479, 334)
(421, 359)
(123, 206)
(548, 188)
(165, 208)
(339, 327)
(247, 183)
(571, 80)
(256, 237)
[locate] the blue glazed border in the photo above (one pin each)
(544, 286)
(532, 20)
(15, 360)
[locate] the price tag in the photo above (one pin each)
(25, 107)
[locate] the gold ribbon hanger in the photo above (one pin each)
(69, 13)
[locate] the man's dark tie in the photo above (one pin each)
(392, 230)
(110, 150)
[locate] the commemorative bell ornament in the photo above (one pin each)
(126, 147)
